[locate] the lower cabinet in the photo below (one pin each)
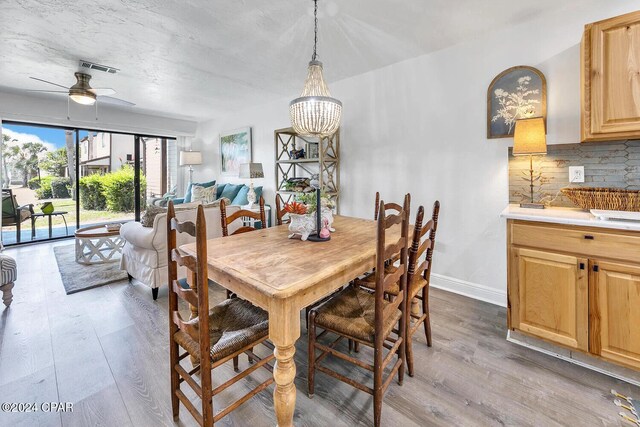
(578, 287)
(615, 312)
(553, 297)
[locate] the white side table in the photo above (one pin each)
(250, 222)
(96, 245)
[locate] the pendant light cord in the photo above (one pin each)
(315, 35)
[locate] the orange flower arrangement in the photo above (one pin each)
(295, 208)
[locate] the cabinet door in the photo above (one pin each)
(611, 58)
(553, 297)
(615, 312)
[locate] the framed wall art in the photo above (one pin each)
(235, 149)
(517, 93)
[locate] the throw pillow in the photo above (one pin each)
(241, 197)
(231, 191)
(216, 203)
(203, 194)
(220, 190)
(188, 195)
(150, 214)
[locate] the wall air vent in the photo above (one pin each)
(98, 67)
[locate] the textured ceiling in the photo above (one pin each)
(201, 59)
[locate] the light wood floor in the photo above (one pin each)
(106, 350)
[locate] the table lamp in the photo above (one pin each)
(530, 139)
(190, 158)
(251, 171)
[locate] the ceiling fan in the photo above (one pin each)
(82, 92)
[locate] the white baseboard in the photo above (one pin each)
(468, 289)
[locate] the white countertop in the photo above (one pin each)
(568, 216)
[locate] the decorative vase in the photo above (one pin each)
(302, 225)
(47, 208)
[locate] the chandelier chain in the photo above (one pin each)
(315, 32)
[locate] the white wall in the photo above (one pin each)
(419, 126)
(53, 111)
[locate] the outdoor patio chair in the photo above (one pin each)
(14, 214)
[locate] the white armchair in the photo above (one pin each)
(144, 255)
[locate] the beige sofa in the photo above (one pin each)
(144, 255)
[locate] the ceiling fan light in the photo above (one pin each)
(86, 98)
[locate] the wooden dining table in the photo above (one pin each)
(283, 276)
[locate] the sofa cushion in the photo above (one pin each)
(220, 190)
(241, 197)
(203, 194)
(231, 191)
(149, 215)
(188, 195)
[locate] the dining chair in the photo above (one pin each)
(423, 243)
(367, 317)
(280, 212)
(215, 336)
(240, 215)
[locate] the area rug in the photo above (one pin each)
(79, 277)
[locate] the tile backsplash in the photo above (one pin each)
(606, 164)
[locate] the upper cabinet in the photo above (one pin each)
(610, 77)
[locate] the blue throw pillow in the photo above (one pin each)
(220, 190)
(231, 191)
(241, 197)
(187, 195)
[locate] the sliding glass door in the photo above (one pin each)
(55, 180)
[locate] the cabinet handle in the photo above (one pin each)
(582, 266)
(589, 237)
(596, 268)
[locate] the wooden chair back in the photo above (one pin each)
(397, 249)
(280, 212)
(387, 207)
(424, 240)
(197, 328)
(238, 215)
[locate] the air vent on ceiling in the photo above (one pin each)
(98, 67)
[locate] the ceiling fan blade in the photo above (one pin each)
(46, 81)
(48, 91)
(101, 91)
(115, 101)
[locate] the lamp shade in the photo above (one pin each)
(251, 170)
(188, 158)
(529, 137)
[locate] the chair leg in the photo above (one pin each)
(356, 346)
(235, 363)
(175, 380)
(425, 310)
(402, 350)
(312, 352)
(18, 231)
(408, 343)
(7, 296)
(154, 293)
(377, 386)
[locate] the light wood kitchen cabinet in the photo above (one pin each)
(610, 77)
(576, 286)
(552, 297)
(615, 312)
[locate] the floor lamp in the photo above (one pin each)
(190, 158)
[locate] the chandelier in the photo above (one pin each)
(315, 112)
